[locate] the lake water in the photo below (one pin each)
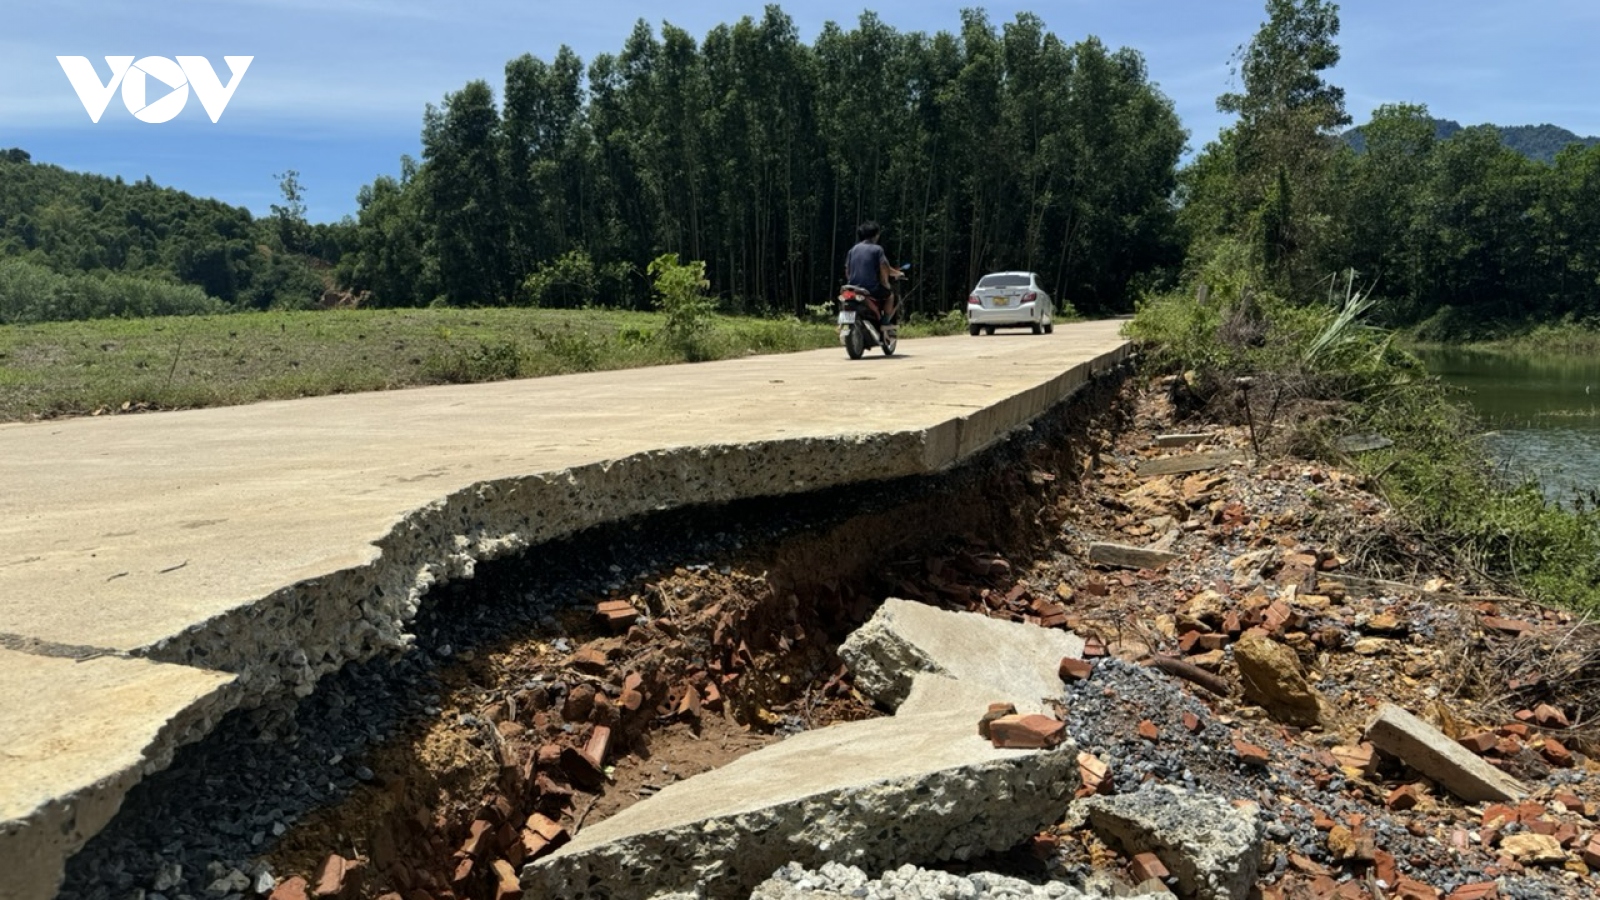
(1543, 412)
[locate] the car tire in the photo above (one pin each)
(1037, 328)
(972, 330)
(1049, 328)
(988, 329)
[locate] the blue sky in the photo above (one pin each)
(337, 87)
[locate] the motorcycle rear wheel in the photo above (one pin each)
(855, 343)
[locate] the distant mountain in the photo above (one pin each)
(1536, 142)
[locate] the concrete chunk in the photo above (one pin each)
(1125, 557)
(1193, 462)
(62, 777)
(874, 794)
(1211, 845)
(1015, 662)
(1427, 749)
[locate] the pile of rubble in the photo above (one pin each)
(1234, 714)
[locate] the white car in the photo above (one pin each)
(1009, 300)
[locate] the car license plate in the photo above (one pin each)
(1001, 301)
(847, 318)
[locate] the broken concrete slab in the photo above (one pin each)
(1193, 462)
(1181, 440)
(832, 881)
(1122, 556)
(63, 778)
(1428, 750)
(1213, 846)
(874, 794)
(280, 541)
(1016, 662)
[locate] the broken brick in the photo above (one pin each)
(291, 889)
(1095, 775)
(1407, 888)
(590, 660)
(1075, 669)
(1146, 866)
(1148, 731)
(689, 703)
(1548, 716)
(1251, 754)
(1482, 890)
(996, 711)
(581, 770)
(1402, 798)
(1093, 648)
(1591, 852)
(1480, 742)
(338, 877)
(1031, 732)
(508, 886)
(617, 614)
(1556, 753)
(1192, 723)
(599, 746)
(479, 839)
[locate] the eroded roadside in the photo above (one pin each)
(391, 759)
(429, 769)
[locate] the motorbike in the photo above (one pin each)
(862, 324)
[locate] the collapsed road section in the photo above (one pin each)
(179, 566)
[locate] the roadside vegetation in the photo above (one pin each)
(1261, 334)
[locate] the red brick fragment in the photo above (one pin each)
(1251, 754)
(1403, 798)
(1556, 753)
(1031, 732)
(1192, 723)
(1550, 717)
(1591, 852)
(1146, 866)
(1507, 626)
(1523, 715)
(1480, 742)
(1482, 890)
(1514, 729)
(1571, 801)
(599, 746)
(590, 660)
(1385, 867)
(1188, 641)
(1148, 731)
(463, 872)
(996, 711)
(1094, 648)
(338, 877)
(508, 886)
(1095, 775)
(580, 770)
(1407, 888)
(618, 614)
(292, 889)
(689, 704)
(1075, 669)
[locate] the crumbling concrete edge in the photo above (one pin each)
(728, 856)
(284, 643)
(34, 848)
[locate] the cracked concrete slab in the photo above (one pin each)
(1013, 661)
(917, 787)
(280, 541)
(64, 777)
(873, 794)
(1213, 846)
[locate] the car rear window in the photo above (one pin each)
(992, 281)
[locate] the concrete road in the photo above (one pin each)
(232, 538)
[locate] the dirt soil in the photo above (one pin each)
(545, 734)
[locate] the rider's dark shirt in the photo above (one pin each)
(861, 265)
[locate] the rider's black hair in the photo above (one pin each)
(867, 230)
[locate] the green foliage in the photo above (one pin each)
(129, 235)
(482, 361)
(1436, 472)
(680, 293)
(746, 150)
(32, 293)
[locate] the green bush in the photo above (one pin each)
(31, 293)
(680, 293)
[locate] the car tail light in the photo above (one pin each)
(1030, 297)
(972, 300)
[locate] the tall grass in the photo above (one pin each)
(1328, 374)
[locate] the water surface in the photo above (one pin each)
(1543, 412)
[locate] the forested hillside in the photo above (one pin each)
(76, 245)
(1540, 143)
(977, 149)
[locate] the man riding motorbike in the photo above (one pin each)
(866, 266)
